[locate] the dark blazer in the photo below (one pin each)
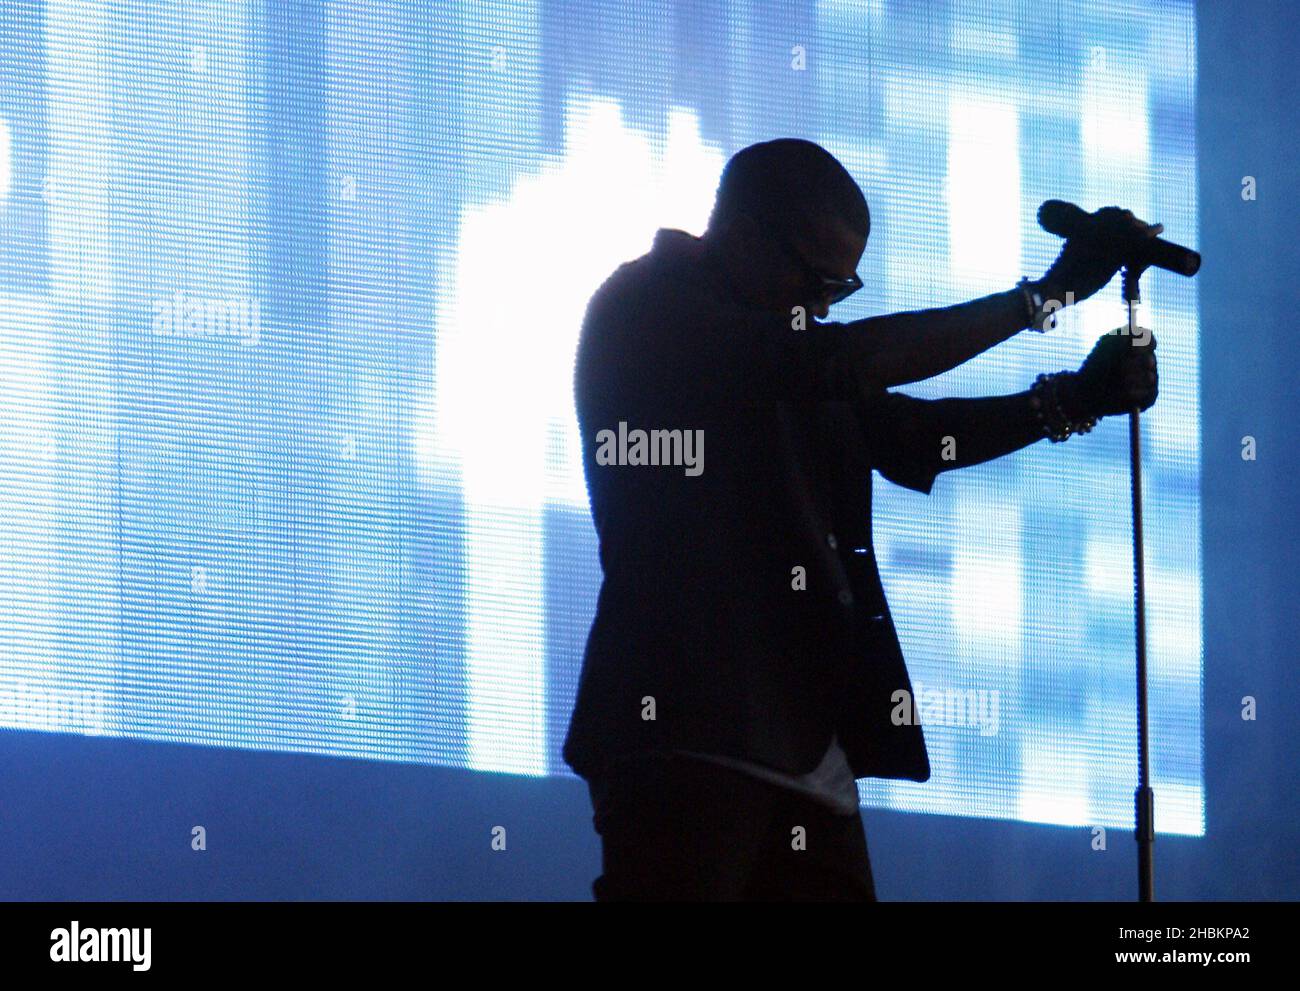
(700, 621)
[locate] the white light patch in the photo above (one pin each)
(1053, 780)
(987, 580)
(1174, 622)
(1116, 157)
(1113, 118)
(1180, 809)
(1108, 568)
(983, 190)
(507, 331)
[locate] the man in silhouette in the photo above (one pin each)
(742, 669)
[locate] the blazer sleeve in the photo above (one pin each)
(905, 438)
(912, 440)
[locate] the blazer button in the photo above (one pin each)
(846, 597)
(831, 542)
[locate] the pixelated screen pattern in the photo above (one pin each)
(289, 301)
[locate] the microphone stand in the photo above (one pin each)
(1144, 797)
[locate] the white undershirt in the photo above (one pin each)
(831, 782)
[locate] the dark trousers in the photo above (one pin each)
(675, 828)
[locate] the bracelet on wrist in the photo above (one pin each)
(1045, 401)
(1037, 316)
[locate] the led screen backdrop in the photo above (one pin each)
(288, 302)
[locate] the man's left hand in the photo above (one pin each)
(1118, 376)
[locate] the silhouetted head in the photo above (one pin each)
(789, 226)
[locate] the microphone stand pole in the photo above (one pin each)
(1144, 797)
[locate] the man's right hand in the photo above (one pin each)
(1086, 265)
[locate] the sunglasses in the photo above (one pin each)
(835, 289)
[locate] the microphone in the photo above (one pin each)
(1067, 220)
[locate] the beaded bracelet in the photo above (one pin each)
(1045, 400)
